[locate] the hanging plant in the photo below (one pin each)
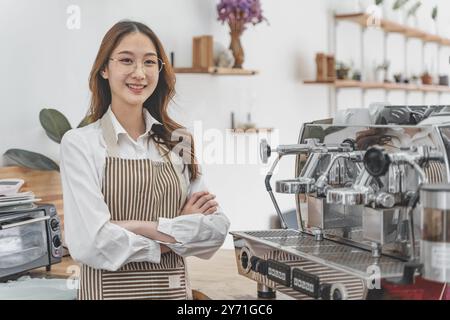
(413, 10)
(434, 13)
(399, 4)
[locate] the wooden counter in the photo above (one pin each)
(216, 278)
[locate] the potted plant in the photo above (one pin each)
(381, 72)
(443, 80)
(415, 79)
(55, 125)
(342, 71)
(357, 75)
(426, 78)
(398, 78)
(238, 14)
(411, 16)
(398, 11)
(434, 16)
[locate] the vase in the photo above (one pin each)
(427, 79)
(235, 46)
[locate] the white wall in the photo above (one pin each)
(44, 64)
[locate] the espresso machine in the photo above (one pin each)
(373, 212)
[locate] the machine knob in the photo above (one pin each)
(54, 224)
(258, 265)
(325, 291)
(334, 291)
(254, 262)
(264, 150)
(385, 200)
(376, 162)
(56, 241)
(245, 259)
(338, 292)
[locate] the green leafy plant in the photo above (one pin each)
(55, 125)
(378, 2)
(434, 13)
(342, 70)
(399, 4)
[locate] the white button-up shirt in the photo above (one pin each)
(91, 237)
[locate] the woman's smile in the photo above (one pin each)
(136, 88)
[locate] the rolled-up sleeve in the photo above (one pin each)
(196, 234)
(91, 237)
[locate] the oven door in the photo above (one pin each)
(23, 242)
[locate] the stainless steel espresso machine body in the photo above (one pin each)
(361, 224)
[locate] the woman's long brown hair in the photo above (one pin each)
(157, 104)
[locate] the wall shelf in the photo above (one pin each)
(389, 26)
(364, 22)
(218, 71)
(385, 86)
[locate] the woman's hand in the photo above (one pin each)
(200, 202)
(164, 248)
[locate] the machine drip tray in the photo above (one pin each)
(356, 261)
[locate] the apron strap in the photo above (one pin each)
(163, 151)
(178, 166)
(112, 148)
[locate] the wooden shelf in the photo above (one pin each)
(218, 71)
(383, 86)
(250, 130)
(445, 42)
(389, 26)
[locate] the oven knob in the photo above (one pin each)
(56, 241)
(54, 224)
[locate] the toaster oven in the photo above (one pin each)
(29, 239)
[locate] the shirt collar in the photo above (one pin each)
(119, 130)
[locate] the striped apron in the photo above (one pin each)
(138, 190)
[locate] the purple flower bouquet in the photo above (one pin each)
(238, 13)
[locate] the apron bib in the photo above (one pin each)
(138, 189)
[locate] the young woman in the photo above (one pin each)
(135, 203)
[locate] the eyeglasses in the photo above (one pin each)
(149, 65)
